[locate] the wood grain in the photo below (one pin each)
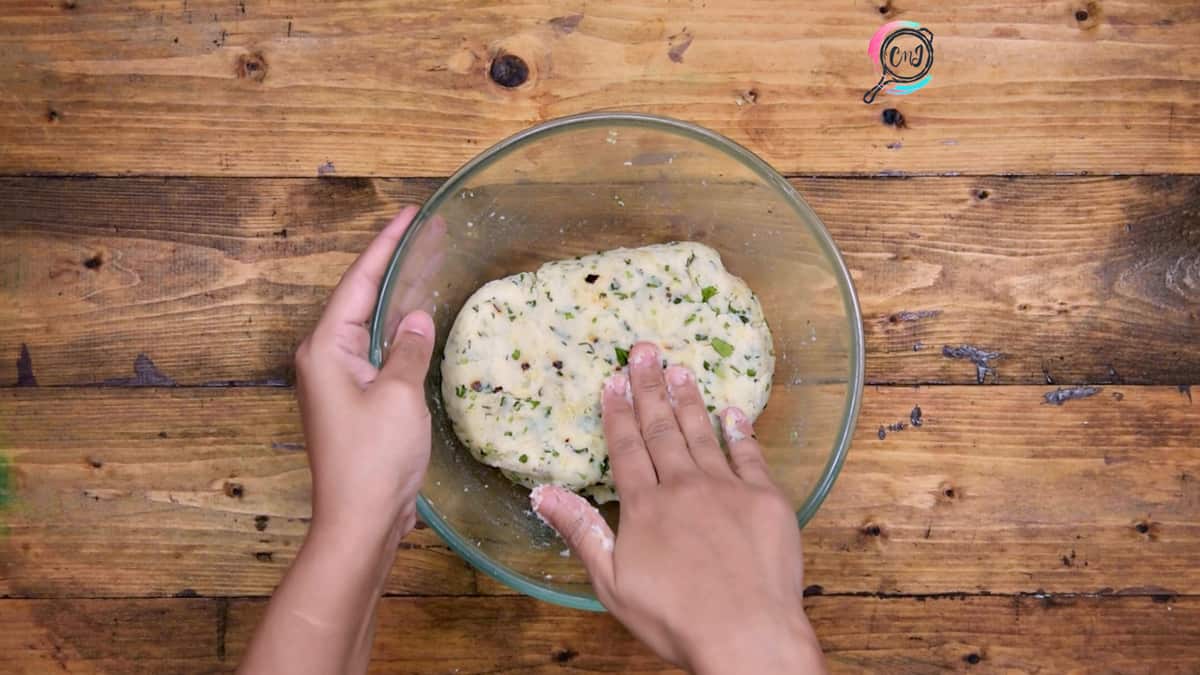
(159, 492)
(486, 635)
(209, 87)
(1071, 280)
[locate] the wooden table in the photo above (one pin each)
(184, 180)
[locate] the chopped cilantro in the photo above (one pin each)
(751, 372)
(569, 315)
(524, 458)
(516, 354)
(711, 407)
(707, 292)
(622, 356)
(721, 347)
(689, 319)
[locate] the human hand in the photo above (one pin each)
(367, 429)
(707, 568)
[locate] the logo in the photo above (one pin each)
(903, 54)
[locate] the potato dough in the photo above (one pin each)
(528, 354)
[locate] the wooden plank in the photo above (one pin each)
(210, 87)
(1099, 494)
(112, 636)
(170, 492)
(483, 635)
(1069, 279)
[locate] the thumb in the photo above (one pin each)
(408, 358)
(582, 527)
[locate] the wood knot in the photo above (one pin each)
(872, 530)
(94, 262)
(261, 522)
(52, 116)
(972, 658)
(251, 66)
(893, 118)
(509, 70)
(1088, 16)
(982, 194)
(234, 490)
(565, 655)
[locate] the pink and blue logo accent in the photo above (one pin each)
(902, 52)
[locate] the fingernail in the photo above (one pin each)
(417, 323)
(617, 384)
(731, 419)
(677, 376)
(643, 354)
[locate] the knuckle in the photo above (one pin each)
(576, 531)
(651, 383)
(624, 445)
(704, 441)
(659, 428)
(770, 504)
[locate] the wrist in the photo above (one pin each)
(359, 546)
(788, 646)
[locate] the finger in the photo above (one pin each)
(660, 431)
(695, 423)
(408, 359)
(744, 449)
(584, 530)
(631, 466)
(413, 286)
(354, 298)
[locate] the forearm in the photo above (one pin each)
(320, 618)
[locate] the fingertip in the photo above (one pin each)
(678, 376)
(617, 388)
(643, 353)
(417, 322)
(734, 424)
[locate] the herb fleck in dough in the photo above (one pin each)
(528, 354)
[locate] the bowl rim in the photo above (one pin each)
(854, 390)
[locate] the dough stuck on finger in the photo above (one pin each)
(528, 355)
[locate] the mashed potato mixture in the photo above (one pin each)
(528, 354)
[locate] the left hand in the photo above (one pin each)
(367, 429)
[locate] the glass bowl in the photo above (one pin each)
(598, 181)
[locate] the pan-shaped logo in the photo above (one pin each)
(903, 54)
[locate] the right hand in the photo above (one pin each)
(707, 569)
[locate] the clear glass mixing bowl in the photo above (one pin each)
(599, 181)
